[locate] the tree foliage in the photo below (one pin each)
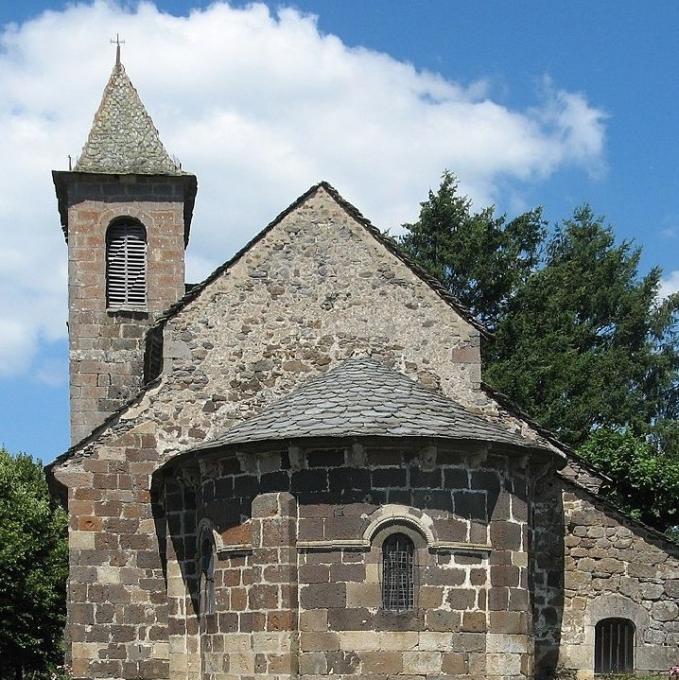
(33, 569)
(480, 257)
(582, 342)
(645, 481)
(580, 338)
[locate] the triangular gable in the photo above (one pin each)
(356, 215)
(155, 335)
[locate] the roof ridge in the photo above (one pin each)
(123, 138)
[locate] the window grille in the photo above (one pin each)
(398, 572)
(207, 576)
(614, 646)
(126, 266)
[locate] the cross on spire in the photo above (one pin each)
(117, 42)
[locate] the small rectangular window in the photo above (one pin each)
(398, 573)
(614, 646)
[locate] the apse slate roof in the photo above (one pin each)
(364, 398)
(123, 138)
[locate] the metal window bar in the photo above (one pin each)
(614, 646)
(126, 266)
(398, 578)
(207, 578)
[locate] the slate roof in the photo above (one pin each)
(123, 138)
(363, 398)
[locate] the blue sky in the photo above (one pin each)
(592, 86)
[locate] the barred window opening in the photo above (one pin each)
(614, 646)
(398, 572)
(207, 576)
(126, 265)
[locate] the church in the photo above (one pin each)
(295, 470)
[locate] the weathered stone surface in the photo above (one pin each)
(610, 568)
(123, 139)
(295, 528)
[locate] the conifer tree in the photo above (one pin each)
(480, 257)
(585, 342)
(581, 340)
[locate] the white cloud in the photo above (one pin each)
(260, 106)
(669, 285)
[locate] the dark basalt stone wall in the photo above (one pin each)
(298, 534)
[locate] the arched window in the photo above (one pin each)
(398, 572)
(126, 265)
(614, 646)
(206, 565)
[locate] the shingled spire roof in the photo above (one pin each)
(363, 398)
(123, 139)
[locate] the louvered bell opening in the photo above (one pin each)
(126, 267)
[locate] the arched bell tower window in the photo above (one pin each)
(398, 572)
(614, 646)
(126, 265)
(206, 566)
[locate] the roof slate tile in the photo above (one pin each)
(123, 139)
(362, 397)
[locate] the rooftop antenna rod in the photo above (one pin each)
(117, 42)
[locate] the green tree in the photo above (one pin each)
(645, 481)
(581, 342)
(33, 570)
(481, 258)
(584, 343)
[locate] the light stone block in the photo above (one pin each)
(241, 663)
(359, 640)
(81, 540)
(435, 641)
(398, 640)
(86, 650)
(108, 575)
(421, 663)
(237, 643)
(507, 644)
(503, 664)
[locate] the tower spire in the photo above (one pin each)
(123, 138)
(117, 42)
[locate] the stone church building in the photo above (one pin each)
(294, 469)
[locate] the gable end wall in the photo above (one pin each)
(316, 290)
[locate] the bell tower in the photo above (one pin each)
(125, 209)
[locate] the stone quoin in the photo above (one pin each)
(294, 470)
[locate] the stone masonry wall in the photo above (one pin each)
(117, 602)
(471, 616)
(317, 289)
(592, 564)
(107, 348)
